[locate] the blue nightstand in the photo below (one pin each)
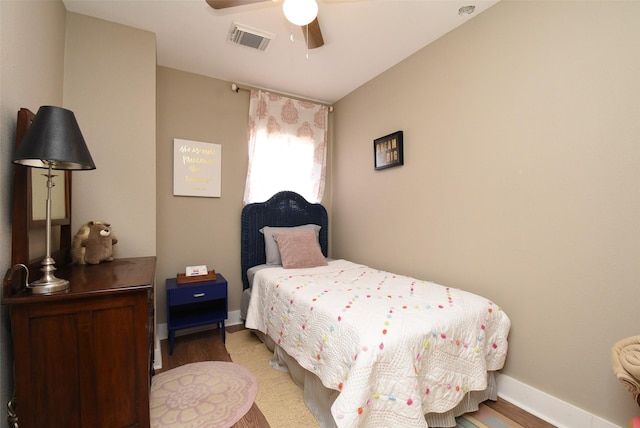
(195, 304)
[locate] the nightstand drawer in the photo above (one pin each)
(195, 294)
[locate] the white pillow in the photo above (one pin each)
(271, 246)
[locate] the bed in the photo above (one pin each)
(369, 348)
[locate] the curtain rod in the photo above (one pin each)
(236, 88)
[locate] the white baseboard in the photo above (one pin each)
(547, 407)
(157, 354)
(162, 333)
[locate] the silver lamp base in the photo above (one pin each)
(48, 283)
(48, 286)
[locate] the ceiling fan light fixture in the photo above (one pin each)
(300, 12)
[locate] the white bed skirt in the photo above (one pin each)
(319, 399)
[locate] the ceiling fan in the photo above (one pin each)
(299, 12)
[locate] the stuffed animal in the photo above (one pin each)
(93, 243)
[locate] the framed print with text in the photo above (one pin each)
(196, 168)
(387, 151)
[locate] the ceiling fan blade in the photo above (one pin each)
(223, 4)
(314, 39)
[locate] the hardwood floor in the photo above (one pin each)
(208, 346)
(518, 415)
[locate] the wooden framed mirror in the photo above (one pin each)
(37, 183)
(29, 208)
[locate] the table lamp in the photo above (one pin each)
(52, 141)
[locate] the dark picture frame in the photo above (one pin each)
(388, 151)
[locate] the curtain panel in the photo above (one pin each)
(287, 147)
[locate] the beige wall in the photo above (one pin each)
(50, 57)
(110, 84)
(520, 183)
(31, 74)
(194, 230)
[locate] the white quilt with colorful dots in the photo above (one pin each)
(394, 346)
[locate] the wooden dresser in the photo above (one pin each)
(83, 358)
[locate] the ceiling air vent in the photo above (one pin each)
(250, 37)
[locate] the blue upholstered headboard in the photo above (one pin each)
(284, 209)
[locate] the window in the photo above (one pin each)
(287, 147)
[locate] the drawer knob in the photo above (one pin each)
(198, 295)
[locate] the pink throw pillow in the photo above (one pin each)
(299, 249)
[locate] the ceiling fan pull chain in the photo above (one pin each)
(307, 40)
(291, 32)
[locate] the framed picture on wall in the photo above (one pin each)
(196, 168)
(387, 151)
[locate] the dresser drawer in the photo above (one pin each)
(195, 294)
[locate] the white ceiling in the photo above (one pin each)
(362, 38)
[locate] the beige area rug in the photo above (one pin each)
(202, 395)
(279, 399)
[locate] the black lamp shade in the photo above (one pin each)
(54, 139)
